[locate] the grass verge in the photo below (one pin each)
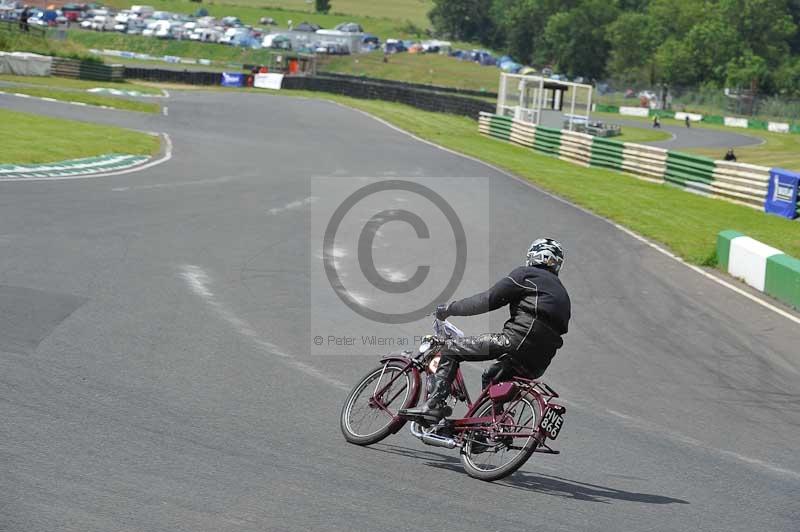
(29, 138)
(432, 69)
(87, 98)
(685, 223)
(778, 149)
(641, 134)
(68, 83)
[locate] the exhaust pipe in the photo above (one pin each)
(432, 439)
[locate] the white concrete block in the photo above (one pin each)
(693, 117)
(634, 111)
(735, 122)
(778, 127)
(748, 260)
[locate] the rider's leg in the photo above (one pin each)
(484, 347)
(497, 372)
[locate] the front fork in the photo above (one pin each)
(415, 382)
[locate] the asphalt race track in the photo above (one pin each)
(682, 137)
(156, 369)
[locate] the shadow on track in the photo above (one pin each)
(545, 484)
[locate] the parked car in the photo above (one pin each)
(135, 26)
(143, 12)
(349, 27)
(103, 23)
(393, 46)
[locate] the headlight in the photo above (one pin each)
(424, 346)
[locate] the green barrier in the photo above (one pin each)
(500, 127)
(661, 113)
(547, 140)
(600, 108)
(606, 153)
(724, 247)
(782, 279)
(756, 124)
(794, 128)
(714, 119)
(689, 170)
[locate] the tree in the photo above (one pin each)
(674, 63)
(764, 26)
(632, 38)
(463, 20)
(748, 71)
(576, 39)
(322, 6)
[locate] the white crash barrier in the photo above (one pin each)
(634, 111)
(735, 122)
(748, 260)
(25, 64)
(778, 127)
(692, 116)
(268, 81)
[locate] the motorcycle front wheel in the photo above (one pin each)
(362, 421)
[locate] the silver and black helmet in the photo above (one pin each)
(547, 253)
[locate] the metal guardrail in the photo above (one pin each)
(13, 26)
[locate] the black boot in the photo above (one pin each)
(435, 408)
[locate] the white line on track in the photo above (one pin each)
(199, 282)
(165, 110)
(167, 156)
(165, 93)
(293, 205)
(658, 248)
(646, 426)
(214, 181)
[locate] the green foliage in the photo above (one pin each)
(322, 6)
(463, 20)
(749, 44)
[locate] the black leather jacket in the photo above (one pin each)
(538, 303)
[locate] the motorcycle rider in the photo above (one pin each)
(540, 312)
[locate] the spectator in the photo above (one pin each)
(23, 19)
(688, 122)
(730, 156)
(656, 121)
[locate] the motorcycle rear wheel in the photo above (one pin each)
(497, 459)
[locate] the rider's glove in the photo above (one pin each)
(441, 311)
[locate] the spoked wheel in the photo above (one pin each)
(368, 418)
(487, 454)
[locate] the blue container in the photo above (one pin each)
(782, 193)
(232, 79)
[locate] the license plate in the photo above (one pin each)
(552, 422)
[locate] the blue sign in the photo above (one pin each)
(232, 79)
(782, 193)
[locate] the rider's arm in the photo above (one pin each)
(501, 294)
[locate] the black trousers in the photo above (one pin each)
(529, 359)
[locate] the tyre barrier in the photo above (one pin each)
(763, 267)
(741, 183)
(91, 70)
(427, 99)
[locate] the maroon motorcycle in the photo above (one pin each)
(501, 429)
